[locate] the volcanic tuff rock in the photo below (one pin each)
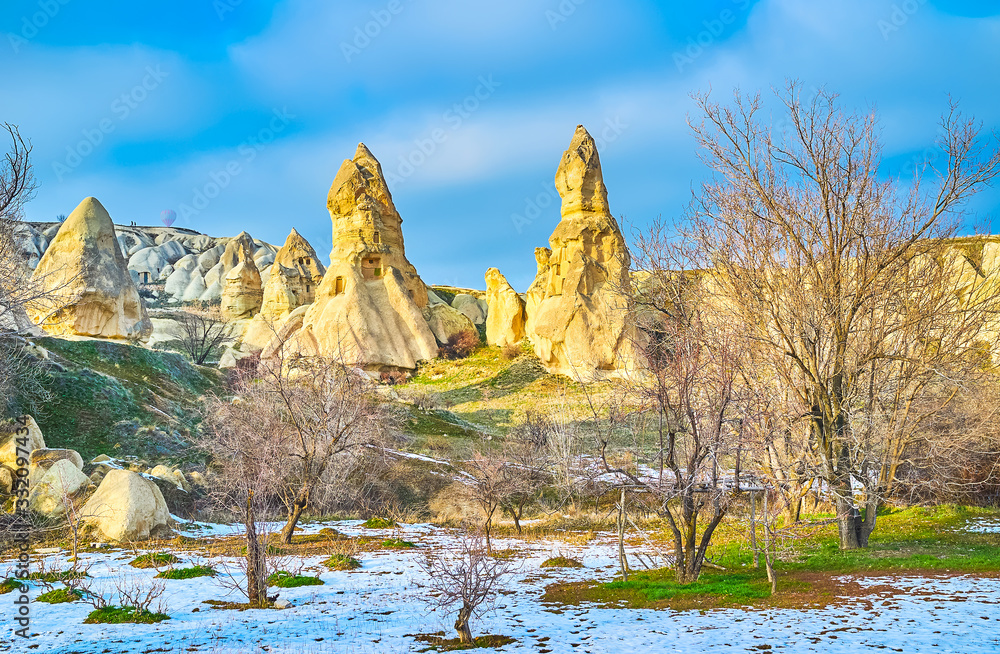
(576, 306)
(241, 292)
(367, 309)
(505, 318)
(126, 507)
(295, 276)
(84, 267)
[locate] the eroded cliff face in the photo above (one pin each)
(85, 273)
(368, 307)
(576, 306)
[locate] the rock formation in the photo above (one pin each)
(472, 307)
(505, 317)
(241, 292)
(446, 322)
(576, 306)
(368, 307)
(52, 492)
(84, 267)
(295, 277)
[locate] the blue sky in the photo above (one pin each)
(467, 104)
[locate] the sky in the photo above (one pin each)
(237, 114)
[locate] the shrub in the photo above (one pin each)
(154, 560)
(342, 562)
(511, 351)
(60, 596)
(459, 345)
(396, 543)
(284, 579)
(122, 614)
(561, 562)
(393, 377)
(188, 573)
(376, 522)
(9, 585)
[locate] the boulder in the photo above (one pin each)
(577, 305)
(6, 481)
(166, 474)
(470, 306)
(165, 274)
(11, 433)
(294, 278)
(434, 298)
(51, 494)
(505, 318)
(446, 322)
(85, 269)
(367, 310)
(44, 457)
(126, 507)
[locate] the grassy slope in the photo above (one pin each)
(105, 384)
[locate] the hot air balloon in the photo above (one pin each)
(168, 217)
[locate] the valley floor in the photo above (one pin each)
(379, 607)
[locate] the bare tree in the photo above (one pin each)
(494, 484)
(248, 454)
(469, 578)
(203, 332)
(836, 273)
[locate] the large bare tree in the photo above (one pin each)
(841, 275)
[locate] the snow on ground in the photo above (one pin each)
(373, 610)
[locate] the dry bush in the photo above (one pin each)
(469, 578)
(459, 346)
(510, 351)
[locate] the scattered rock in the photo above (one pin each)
(9, 435)
(51, 494)
(126, 506)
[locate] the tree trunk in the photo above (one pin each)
(462, 624)
(622, 559)
(256, 581)
(486, 530)
(293, 519)
(768, 551)
(753, 529)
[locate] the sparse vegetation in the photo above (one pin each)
(342, 562)
(123, 614)
(561, 562)
(154, 560)
(188, 573)
(285, 579)
(60, 596)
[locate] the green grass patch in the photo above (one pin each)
(60, 596)
(9, 586)
(188, 573)
(396, 543)
(561, 562)
(154, 560)
(659, 585)
(375, 522)
(284, 579)
(342, 562)
(123, 614)
(438, 643)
